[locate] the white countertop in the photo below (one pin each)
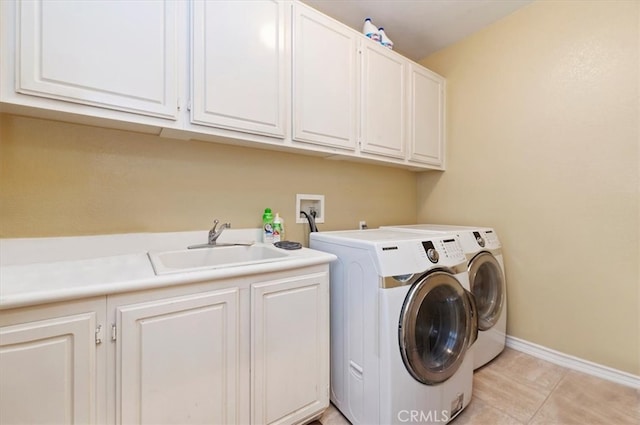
(42, 270)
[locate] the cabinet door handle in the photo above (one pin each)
(99, 335)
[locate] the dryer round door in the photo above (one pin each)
(487, 285)
(436, 325)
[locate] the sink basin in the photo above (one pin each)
(213, 258)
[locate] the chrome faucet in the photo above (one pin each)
(214, 234)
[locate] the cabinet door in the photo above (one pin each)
(324, 80)
(383, 101)
(110, 54)
(49, 372)
(289, 349)
(239, 65)
(426, 95)
(177, 360)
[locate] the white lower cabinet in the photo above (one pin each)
(177, 360)
(52, 364)
(251, 349)
(289, 349)
(248, 350)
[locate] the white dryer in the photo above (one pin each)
(402, 323)
(488, 284)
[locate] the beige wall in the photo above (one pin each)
(66, 179)
(543, 113)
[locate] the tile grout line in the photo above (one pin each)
(557, 384)
(507, 413)
(533, 386)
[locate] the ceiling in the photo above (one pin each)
(420, 27)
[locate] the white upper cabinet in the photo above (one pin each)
(383, 128)
(110, 54)
(376, 105)
(239, 66)
(324, 80)
(253, 72)
(426, 97)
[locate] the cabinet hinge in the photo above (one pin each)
(99, 335)
(114, 332)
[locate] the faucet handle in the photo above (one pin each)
(215, 224)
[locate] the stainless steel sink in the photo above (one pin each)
(214, 258)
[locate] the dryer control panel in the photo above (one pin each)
(486, 239)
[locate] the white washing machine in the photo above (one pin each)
(402, 324)
(488, 284)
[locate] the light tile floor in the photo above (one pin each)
(518, 389)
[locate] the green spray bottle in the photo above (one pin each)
(267, 226)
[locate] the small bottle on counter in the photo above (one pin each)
(370, 30)
(278, 228)
(267, 226)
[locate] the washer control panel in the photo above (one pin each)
(396, 253)
(432, 253)
(448, 248)
(451, 248)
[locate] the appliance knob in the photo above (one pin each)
(433, 255)
(480, 241)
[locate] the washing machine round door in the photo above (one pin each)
(436, 325)
(488, 287)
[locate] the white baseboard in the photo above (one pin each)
(572, 362)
